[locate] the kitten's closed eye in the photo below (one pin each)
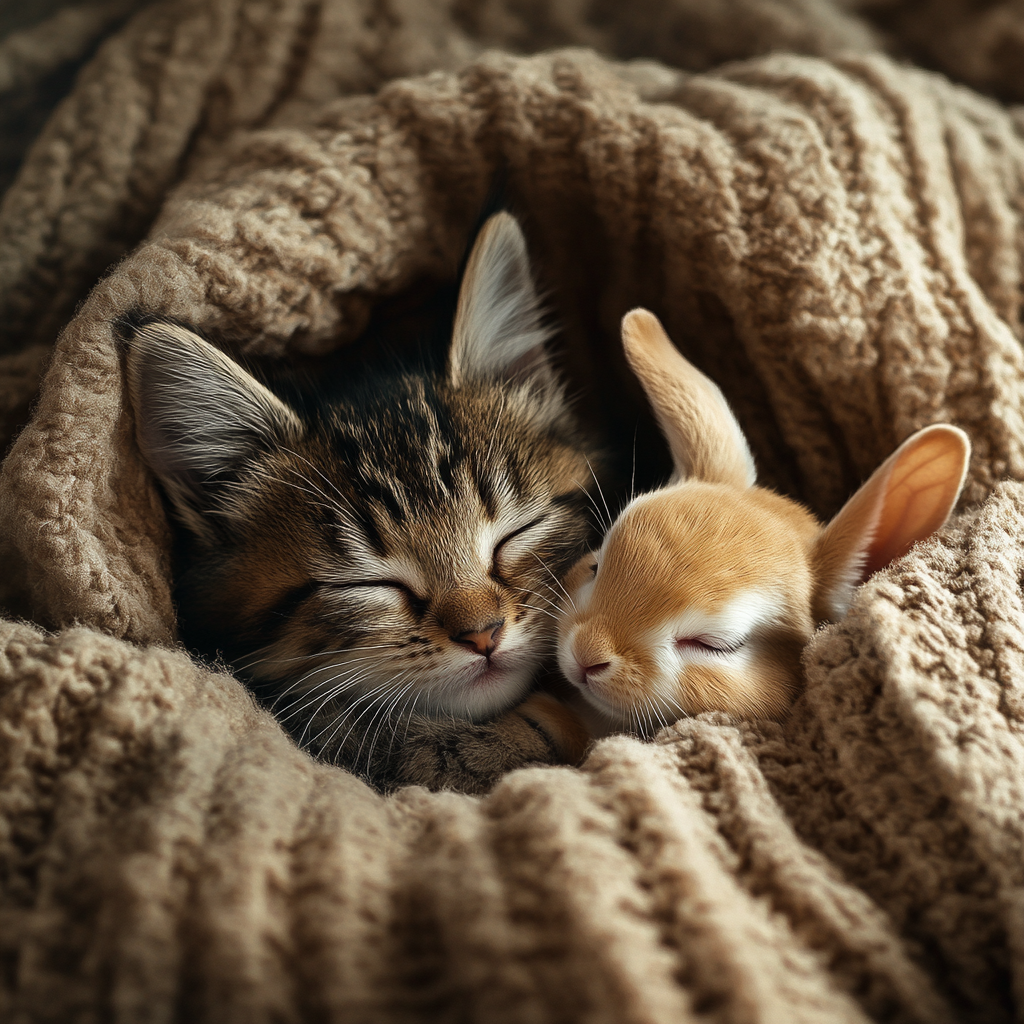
(396, 585)
(509, 537)
(514, 545)
(417, 604)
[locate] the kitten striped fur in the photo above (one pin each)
(383, 569)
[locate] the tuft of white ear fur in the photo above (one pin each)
(198, 414)
(703, 435)
(905, 500)
(499, 329)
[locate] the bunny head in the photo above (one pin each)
(704, 593)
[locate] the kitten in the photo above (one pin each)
(383, 569)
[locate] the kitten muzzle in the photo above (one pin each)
(483, 641)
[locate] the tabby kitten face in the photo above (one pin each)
(400, 550)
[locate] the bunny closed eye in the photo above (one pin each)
(704, 593)
(688, 611)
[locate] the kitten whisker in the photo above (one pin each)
(337, 722)
(348, 661)
(247, 666)
(379, 696)
(602, 524)
(542, 597)
(600, 491)
(385, 717)
(295, 685)
(543, 611)
(408, 724)
(558, 582)
(314, 693)
(348, 670)
(372, 696)
(410, 696)
(347, 684)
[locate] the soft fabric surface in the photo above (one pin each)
(838, 241)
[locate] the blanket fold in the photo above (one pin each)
(821, 275)
(859, 861)
(834, 236)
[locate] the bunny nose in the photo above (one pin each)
(592, 650)
(482, 641)
(592, 670)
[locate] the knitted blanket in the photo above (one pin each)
(836, 237)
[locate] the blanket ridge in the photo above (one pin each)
(835, 236)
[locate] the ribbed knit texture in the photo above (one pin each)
(838, 241)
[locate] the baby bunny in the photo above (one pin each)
(704, 593)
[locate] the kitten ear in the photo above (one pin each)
(199, 416)
(905, 500)
(499, 329)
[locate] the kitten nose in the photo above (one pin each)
(484, 640)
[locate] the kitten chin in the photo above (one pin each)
(393, 556)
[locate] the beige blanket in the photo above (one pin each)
(839, 242)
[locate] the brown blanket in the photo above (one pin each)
(838, 242)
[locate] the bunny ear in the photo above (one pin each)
(905, 500)
(702, 433)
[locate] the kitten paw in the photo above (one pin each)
(559, 723)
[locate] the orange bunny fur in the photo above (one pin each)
(704, 593)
